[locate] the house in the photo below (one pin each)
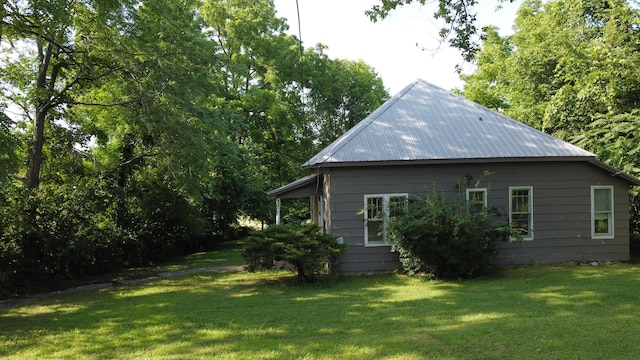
(570, 205)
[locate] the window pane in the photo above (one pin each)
(602, 199)
(381, 208)
(374, 208)
(522, 222)
(375, 231)
(520, 201)
(476, 196)
(476, 200)
(521, 211)
(602, 215)
(476, 207)
(602, 221)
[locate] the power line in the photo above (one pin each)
(301, 55)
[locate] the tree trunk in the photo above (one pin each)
(43, 106)
(307, 278)
(34, 163)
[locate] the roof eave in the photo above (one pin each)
(313, 182)
(632, 180)
(448, 161)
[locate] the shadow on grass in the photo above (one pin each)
(558, 312)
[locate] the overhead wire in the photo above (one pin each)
(302, 95)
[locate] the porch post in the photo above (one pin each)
(278, 203)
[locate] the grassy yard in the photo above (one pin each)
(564, 312)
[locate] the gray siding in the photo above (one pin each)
(561, 210)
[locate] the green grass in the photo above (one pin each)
(539, 312)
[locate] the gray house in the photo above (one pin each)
(570, 205)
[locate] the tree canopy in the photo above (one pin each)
(150, 127)
(570, 69)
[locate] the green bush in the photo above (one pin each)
(301, 245)
(62, 232)
(162, 224)
(448, 240)
(55, 233)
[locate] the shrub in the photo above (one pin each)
(448, 240)
(162, 225)
(301, 245)
(68, 231)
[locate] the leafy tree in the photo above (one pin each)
(128, 115)
(48, 53)
(561, 81)
(164, 120)
(278, 103)
(341, 93)
(259, 100)
(9, 145)
(488, 84)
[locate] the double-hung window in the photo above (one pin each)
(521, 210)
(378, 210)
(602, 211)
(477, 199)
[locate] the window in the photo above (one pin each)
(602, 212)
(378, 210)
(521, 210)
(477, 199)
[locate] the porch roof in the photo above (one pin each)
(304, 187)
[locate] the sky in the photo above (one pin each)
(401, 48)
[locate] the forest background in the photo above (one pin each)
(134, 131)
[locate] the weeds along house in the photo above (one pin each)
(570, 205)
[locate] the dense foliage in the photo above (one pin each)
(446, 239)
(302, 245)
(133, 131)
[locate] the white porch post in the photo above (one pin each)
(278, 203)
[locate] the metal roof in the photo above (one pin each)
(426, 122)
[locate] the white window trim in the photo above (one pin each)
(609, 235)
(385, 209)
(530, 188)
(482, 190)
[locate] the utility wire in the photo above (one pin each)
(301, 55)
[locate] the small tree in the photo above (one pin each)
(449, 240)
(301, 245)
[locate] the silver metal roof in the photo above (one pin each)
(426, 122)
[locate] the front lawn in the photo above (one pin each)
(564, 312)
